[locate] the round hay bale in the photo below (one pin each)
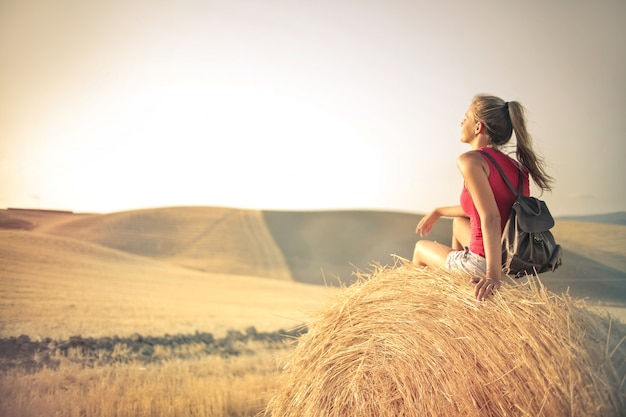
(409, 342)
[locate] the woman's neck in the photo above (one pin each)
(480, 141)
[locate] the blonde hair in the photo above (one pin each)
(500, 119)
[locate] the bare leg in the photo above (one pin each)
(460, 233)
(429, 253)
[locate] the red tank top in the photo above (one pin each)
(503, 195)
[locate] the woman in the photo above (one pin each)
(486, 201)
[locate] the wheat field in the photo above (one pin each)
(207, 385)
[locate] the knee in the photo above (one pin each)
(429, 253)
(418, 252)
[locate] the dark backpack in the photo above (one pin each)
(528, 246)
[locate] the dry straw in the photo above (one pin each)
(408, 342)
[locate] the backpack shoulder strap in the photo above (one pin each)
(506, 180)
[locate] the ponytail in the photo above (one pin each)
(525, 154)
(501, 119)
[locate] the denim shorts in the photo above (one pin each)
(464, 260)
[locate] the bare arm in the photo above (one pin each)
(475, 171)
(426, 224)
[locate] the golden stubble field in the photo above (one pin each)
(179, 271)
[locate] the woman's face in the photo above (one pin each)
(468, 126)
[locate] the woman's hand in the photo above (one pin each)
(485, 287)
(426, 224)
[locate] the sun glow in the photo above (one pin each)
(199, 140)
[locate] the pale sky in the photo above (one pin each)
(109, 105)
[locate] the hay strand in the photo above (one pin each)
(408, 342)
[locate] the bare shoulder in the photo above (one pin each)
(471, 159)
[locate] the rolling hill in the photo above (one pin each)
(328, 246)
(58, 287)
(181, 269)
(211, 239)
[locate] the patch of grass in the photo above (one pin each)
(204, 386)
